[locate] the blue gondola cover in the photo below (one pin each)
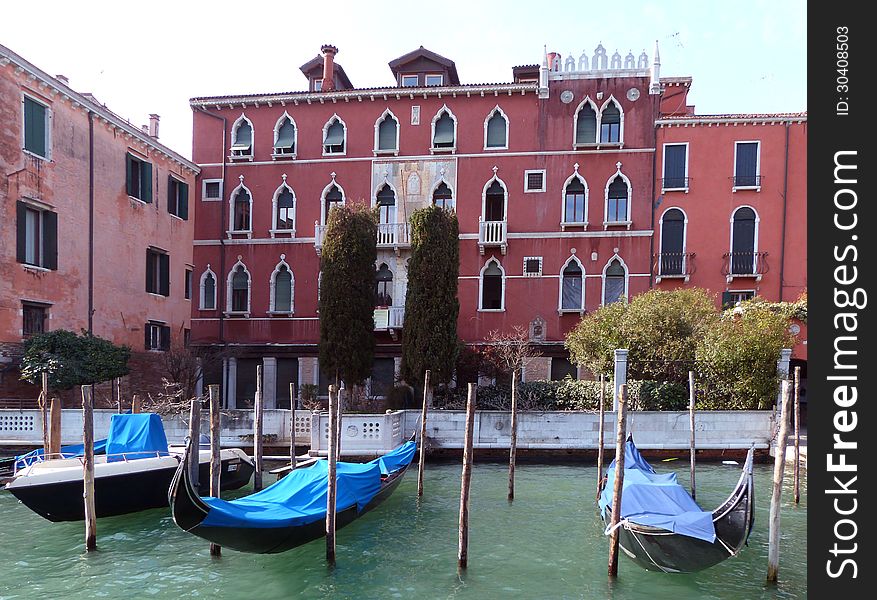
(136, 435)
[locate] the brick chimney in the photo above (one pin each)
(329, 51)
(153, 126)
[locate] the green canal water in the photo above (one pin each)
(548, 544)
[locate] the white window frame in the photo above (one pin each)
(626, 296)
(231, 203)
(281, 155)
(627, 221)
(426, 77)
(272, 284)
(229, 290)
(563, 222)
(48, 127)
(492, 259)
(234, 134)
(204, 197)
(757, 188)
(451, 149)
(560, 309)
(436, 185)
(334, 118)
(403, 78)
(274, 229)
(496, 111)
(611, 100)
(527, 173)
(575, 123)
(505, 208)
(730, 277)
(524, 269)
(664, 167)
(323, 215)
(201, 287)
(390, 151)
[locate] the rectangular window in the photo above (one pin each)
(435, 79)
(34, 318)
(36, 127)
(409, 80)
(287, 373)
(318, 85)
(211, 189)
(188, 284)
(532, 266)
(157, 336)
(138, 177)
(746, 165)
(534, 181)
(37, 236)
(157, 272)
(561, 368)
(177, 197)
(675, 167)
(730, 299)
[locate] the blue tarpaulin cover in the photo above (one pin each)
(656, 500)
(138, 435)
(300, 497)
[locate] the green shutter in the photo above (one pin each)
(146, 181)
(171, 196)
(129, 174)
(184, 200)
(164, 337)
(146, 340)
(21, 228)
(50, 240)
(150, 271)
(34, 127)
(164, 274)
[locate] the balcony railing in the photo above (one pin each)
(492, 234)
(673, 265)
(746, 181)
(390, 235)
(744, 264)
(389, 318)
(675, 183)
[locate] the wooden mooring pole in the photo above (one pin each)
(465, 480)
(215, 459)
(513, 441)
(257, 431)
(421, 461)
(779, 465)
(195, 442)
(620, 439)
(339, 414)
(332, 482)
(43, 403)
(55, 428)
(600, 435)
(88, 467)
(117, 392)
(797, 405)
(135, 404)
(292, 403)
(691, 395)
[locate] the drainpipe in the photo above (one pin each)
(785, 202)
(90, 222)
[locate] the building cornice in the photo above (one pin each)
(53, 86)
(751, 119)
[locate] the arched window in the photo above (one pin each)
(614, 282)
(242, 138)
(387, 133)
(496, 130)
(284, 209)
(208, 290)
(281, 287)
(384, 286)
(386, 201)
(241, 205)
(333, 195)
(586, 124)
(443, 197)
(444, 130)
(239, 289)
(743, 237)
(617, 204)
(672, 243)
(572, 289)
(492, 295)
(494, 201)
(334, 136)
(610, 124)
(284, 136)
(575, 202)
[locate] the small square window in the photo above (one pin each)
(409, 80)
(318, 85)
(534, 181)
(138, 178)
(34, 318)
(178, 198)
(211, 189)
(157, 336)
(533, 266)
(435, 79)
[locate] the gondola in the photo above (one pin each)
(291, 511)
(132, 475)
(663, 529)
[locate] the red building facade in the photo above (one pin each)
(552, 177)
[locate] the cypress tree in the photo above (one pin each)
(347, 294)
(429, 337)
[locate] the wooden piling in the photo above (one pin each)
(779, 465)
(691, 394)
(513, 441)
(620, 439)
(195, 441)
(421, 461)
(43, 403)
(135, 404)
(797, 405)
(465, 480)
(339, 415)
(600, 435)
(55, 428)
(257, 431)
(117, 391)
(215, 458)
(88, 467)
(292, 403)
(332, 482)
